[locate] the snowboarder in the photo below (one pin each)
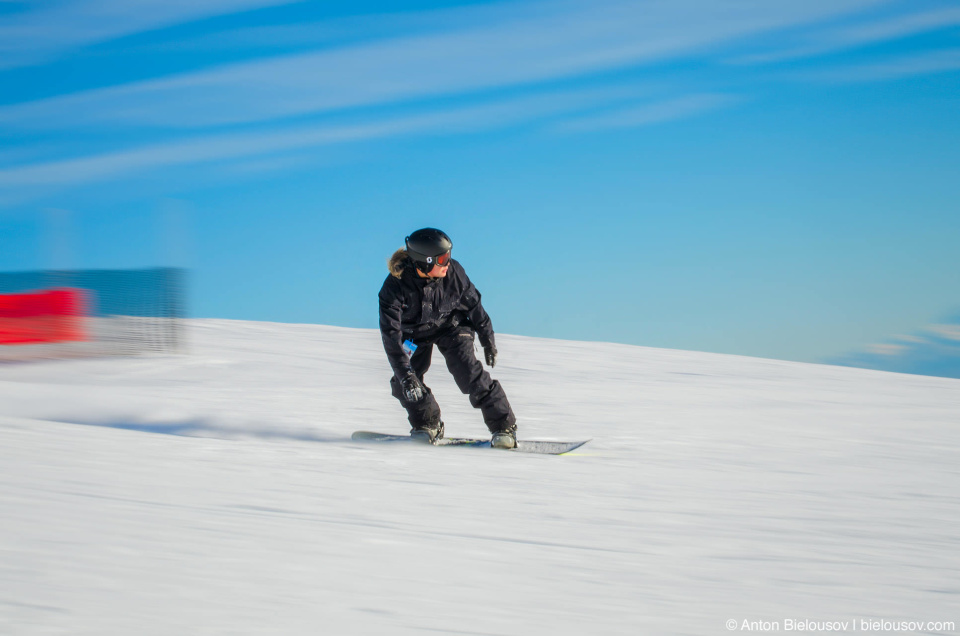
(428, 300)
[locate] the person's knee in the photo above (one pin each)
(468, 373)
(468, 384)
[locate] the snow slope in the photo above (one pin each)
(218, 493)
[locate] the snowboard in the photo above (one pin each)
(523, 445)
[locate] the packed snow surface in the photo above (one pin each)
(218, 492)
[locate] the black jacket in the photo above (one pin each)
(420, 309)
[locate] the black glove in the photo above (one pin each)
(413, 389)
(490, 353)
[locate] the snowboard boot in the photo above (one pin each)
(428, 433)
(506, 438)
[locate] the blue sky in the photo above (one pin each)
(778, 179)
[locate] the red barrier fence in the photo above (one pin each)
(50, 315)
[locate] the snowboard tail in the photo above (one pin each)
(523, 445)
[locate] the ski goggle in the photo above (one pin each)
(443, 260)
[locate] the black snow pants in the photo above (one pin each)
(486, 394)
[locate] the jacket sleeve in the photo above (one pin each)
(470, 302)
(391, 308)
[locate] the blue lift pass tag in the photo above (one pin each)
(409, 347)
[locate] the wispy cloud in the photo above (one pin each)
(947, 331)
(564, 40)
(903, 66)
(226, 146)
(913, 339)
(886, 349)
(47, 29)
(357, 28)
(935, 350)
(823, 41)
(648, 113)
(449, 69)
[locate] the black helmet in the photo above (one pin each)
(425, 245)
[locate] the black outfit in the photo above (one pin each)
(445, 312)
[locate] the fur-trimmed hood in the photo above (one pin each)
(419, 308)
(398, 262)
